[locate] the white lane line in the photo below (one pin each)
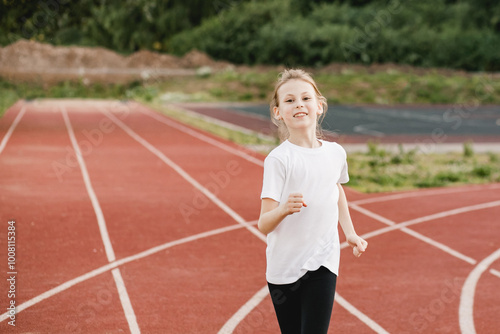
(372, 214)
(90, 190)
(495, 272)
(440, 246)
(241, 314)
(185, 176)
(125, 300)
(358, 314)
(466, 307)
(200, 136)
(66, 285)
(11, 129)
(122, 291)
(414, 234)
(418, 193)
(400, 226)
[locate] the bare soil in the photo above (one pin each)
(37, 62)
(30, 61)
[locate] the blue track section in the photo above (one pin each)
(388, 120)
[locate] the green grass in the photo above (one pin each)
(379, 170)
(348, 87)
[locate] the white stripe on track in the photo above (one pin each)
(12, 127)
(122, 291)
(90, 190)
(438, 215)
(466, 307)
(242, 313)
(200, 136)
(125, 300)
(415, 234)
(185, 175)
(401, 226)
(495, 272)
(66, 285)
(358, 314)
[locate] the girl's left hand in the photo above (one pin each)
(358, 244)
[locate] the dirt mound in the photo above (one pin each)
(195, 59)
(148, 59)
(32, 61)
(32, 55)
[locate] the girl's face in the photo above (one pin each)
(298, 105)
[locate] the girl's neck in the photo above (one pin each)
(308, 140)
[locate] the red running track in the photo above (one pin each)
(128, 221)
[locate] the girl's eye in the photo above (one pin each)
(289, 100)
(307, 98)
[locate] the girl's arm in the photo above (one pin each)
(272, 213)
(359, 244)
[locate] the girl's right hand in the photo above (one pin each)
(294, 203)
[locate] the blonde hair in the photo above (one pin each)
(284, 77)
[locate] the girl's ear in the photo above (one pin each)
(276, 112)
(320, 108)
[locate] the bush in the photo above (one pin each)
(442, 33)
(231, 35)
(417, 33)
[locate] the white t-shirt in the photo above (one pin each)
(309, 239)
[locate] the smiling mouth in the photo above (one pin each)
(300, 114)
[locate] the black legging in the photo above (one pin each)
(305, 307)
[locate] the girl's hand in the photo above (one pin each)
(358, 244)
(294, 203)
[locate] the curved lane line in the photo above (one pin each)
(466, 308)
(12, 127)
(242, 313)
(358, 314)
(115, 264)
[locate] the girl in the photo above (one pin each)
(302, 202)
